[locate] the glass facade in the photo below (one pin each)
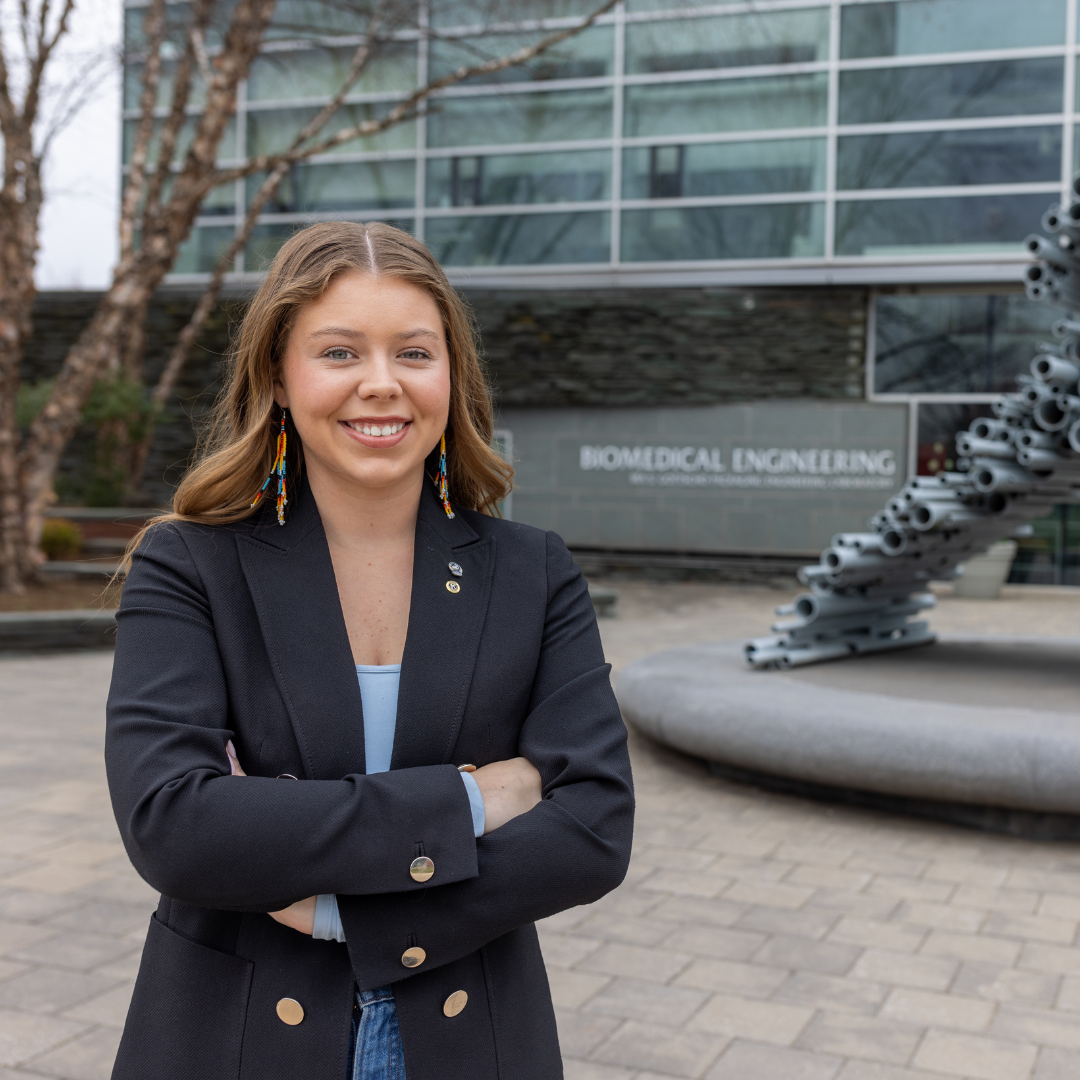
(678, 131)
(948, 355)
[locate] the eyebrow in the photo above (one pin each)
(337, 331)
(420, 331)
(344, 331)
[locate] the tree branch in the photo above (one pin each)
(75, 94)
(405, 109)
(242, 41)
(181, 93)
(42, 53)
(154, 30)
(186, 339)
(7, 106)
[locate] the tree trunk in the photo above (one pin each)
(20, 208)
(139, 272)
(13, 570)
(86, 361)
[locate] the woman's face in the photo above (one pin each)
(366, 379)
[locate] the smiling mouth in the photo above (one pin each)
(375, 430)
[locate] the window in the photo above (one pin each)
(955, 343)
(494, 240)
(949, 158)
(780, 37)
(684, 108)
(226, 148)
(318, 73)
(585, 56)
(506, 179)
(666, 171)
(445, 13)
(891, 227)
(200, 252)
(366, 185)
(272, 130)
(1051, 555)
(938, 423)
(940, 26)
(737, 168)
(723, 232)
(951, 91)
(520, 118)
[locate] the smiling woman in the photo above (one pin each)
(427, 677)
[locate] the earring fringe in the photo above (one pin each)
(443, 488)
(278, 470)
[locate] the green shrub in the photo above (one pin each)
(61, 539)
(31, 400)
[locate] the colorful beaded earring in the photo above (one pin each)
(443, 489)
(278, 470)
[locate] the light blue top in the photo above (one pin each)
(379, 694)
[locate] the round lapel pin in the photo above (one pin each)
(453, 586)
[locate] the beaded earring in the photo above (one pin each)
(443, 489)
(278, 470)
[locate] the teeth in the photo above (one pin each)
(378, 430)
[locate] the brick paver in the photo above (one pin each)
(757, 937)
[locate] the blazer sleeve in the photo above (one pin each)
(570, 849)
(202, 836)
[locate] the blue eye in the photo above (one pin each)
(338, 354)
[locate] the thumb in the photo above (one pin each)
(234, 763)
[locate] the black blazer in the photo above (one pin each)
(236, 632)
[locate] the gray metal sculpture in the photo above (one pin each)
(865, 592)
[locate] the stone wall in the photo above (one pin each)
(619, 347)
(612, 347)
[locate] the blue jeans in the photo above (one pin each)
(377, 1053)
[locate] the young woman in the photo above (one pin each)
(360, 734)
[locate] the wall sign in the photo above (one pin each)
(701, 466)
(771, 477)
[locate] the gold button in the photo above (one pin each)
(290, 1011)
(413, 957)
(455, 1003)
(453, 586)
(422, 869)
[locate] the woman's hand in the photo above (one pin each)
(234, 761)
(301, 915)
(510, 788)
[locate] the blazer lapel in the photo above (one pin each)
(292, 584)
(444, 634)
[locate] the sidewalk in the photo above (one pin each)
(757, 937)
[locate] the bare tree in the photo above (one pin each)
(165, 189)
(34, 108)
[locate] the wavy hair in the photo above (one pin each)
(237, 447)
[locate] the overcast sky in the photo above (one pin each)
(82, 171)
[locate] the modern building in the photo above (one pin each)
(740, 267)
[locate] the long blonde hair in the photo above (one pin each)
(238, 446)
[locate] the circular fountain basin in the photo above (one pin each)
(985, 721)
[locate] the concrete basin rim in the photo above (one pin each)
(762, 721)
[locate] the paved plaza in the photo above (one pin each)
(757, 937)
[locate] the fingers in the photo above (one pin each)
(234, 763)
(299, 916)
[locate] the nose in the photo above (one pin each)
(378, 380)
